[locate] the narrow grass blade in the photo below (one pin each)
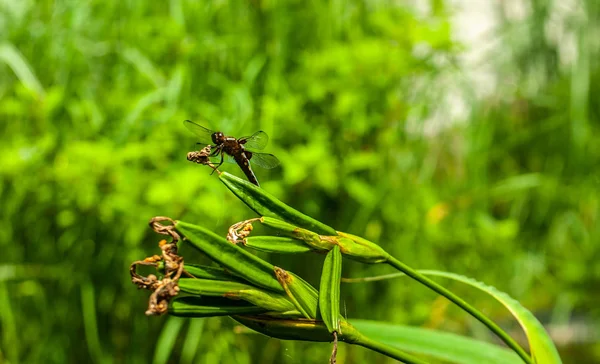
(88, 305)
(17, 62)
(192, 341)
(8, 329)
(143, 65)
(166, 340)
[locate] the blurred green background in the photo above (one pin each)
(480, 158)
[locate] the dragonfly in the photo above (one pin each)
(237, 150)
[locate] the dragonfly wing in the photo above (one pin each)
(229, 159)
(257, 141)
(204, 135)
(264, 160)
(198, 146)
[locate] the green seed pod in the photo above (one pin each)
(211, 306)
(235, 259)
(299, 329)
(296, 329)
(277, 244)
(308, 237)
(206, 272)
(329, 290)
(237, 291)
(359, 249)
(267, 205)
(354, 247)
(282, 227)
(302, 294)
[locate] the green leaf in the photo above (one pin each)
(541, 346)
(265, 204)
(436, 344)
(235, 259)
(329, 294)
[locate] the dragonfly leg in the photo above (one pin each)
(218, 165)
(215, 152)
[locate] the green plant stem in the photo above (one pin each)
(360, 339)
(462, 304)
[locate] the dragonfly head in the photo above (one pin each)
(218, 137)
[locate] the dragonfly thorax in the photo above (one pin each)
(218, 137)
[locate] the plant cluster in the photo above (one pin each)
(277, 302)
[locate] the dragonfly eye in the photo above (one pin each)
(217, 137)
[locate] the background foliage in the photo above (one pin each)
(355, 97)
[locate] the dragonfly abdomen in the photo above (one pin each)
(244, 162)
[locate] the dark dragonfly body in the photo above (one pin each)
(235, 148)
